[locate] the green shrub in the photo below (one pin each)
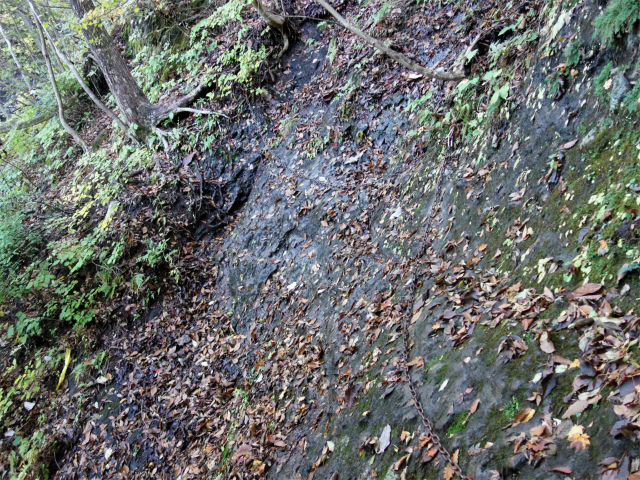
(619, 17)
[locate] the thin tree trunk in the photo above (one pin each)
(15, 59)
(79, 78)
(56, 92)
(131, 100)
(397, 56)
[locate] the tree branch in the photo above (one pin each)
(397, 56)
(7, 127)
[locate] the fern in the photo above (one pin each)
(617, 18)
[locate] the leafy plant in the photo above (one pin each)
(619, 17)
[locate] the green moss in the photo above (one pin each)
(442, 373)
(458, 424)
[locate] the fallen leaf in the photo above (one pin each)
(29, 406)
(586, 289)
(187, 159)
(398, 464)
(568, 145)
(416, 362)
(578, 407)
(524, 416)
(385, 440)
(67, 359)
(546, 345)
(579, 440)
(448, 472)
(566, 470)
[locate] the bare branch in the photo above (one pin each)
(13, 56)
(54, 85)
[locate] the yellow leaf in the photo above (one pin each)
(579, 440)
(574, 364)
(524, 416)
(67, 360)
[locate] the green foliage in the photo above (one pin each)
(512, 408)
(619, 17)
(573, 52)
(601, 79)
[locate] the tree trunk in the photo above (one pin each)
(132, 102)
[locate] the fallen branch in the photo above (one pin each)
(203, 112)
(397, 56)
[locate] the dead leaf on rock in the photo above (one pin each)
(578, 407)
(385, 440)
(546, 345)
(579, 440)
(524, 416)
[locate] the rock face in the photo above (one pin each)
(619, 90)
(322, 250)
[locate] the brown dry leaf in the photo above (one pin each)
(474, 406)
(546, 345)
(568, 145)
(566, 470)
(416, 362)
(482, 247)
(448, 472)
(524, 416)
(586, 289)
(602, 249)
(398, 464)
(578, 407)
(579, 440)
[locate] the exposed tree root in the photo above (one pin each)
(397, 56)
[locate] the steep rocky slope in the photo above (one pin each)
(288, 362)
